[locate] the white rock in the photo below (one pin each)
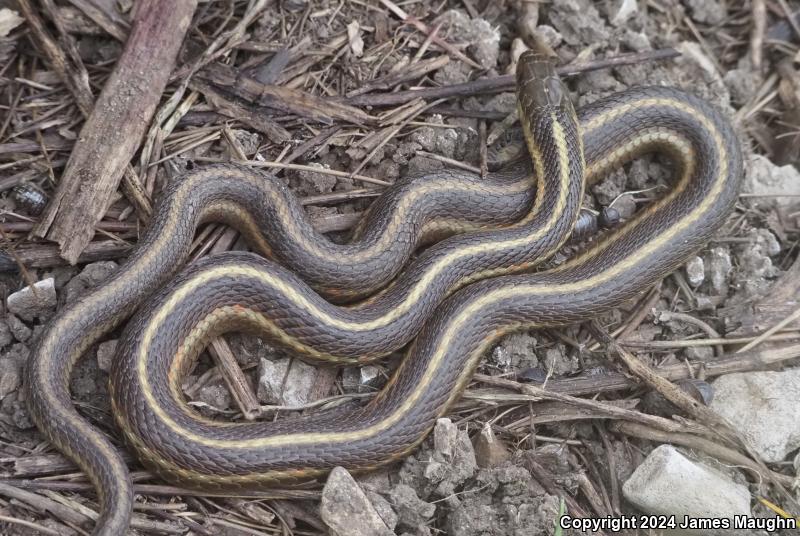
(276, 386)
(781, 183)
(695, 271)
(763, 407)
(669, 483)
(36, 302)
(346, 509)
(624, 11)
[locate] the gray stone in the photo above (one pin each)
(412, 512)
(779, 184)
(34, 302)
(718, 268)
(276, 386)
(90, 277)
(18, 328)
(482, 36)
(623, 10)
(5, 334)
(695, 271)
(105, 354)
(707, 11)
(215, 395)
(669, 483)
(10, 376)
(346, 510)
(763, 407)
(516, 351)
(363, 379)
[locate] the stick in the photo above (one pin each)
(115, 127)
(503, 83)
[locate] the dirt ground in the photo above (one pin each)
(505, 461)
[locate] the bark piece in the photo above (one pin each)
(114, 130)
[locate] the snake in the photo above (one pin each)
(451, 303)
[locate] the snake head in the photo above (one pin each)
(539, 86)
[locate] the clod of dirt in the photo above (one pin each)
(763, 407)
(346, 509)
(516, 352)
(755, 270)
(38, 301)
(774, 184)
(483, 38)
(18, 328)
(669, 483)
(5, 333)
(216, 395)
(707, 11)
(489, 450)
(578, 21)
(506, 501)
(413, 514)
(105, 354)
(10, 375)
(90, 277)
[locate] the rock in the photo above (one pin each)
(346, 510)
(314, 182)
(482, 36)
(276, 386)
(215, 395)
(516, 351)
(763, 407)
(695, 271)
(669, 483)
(718, 268)
(490, 451)
(5, 334)
(579, 22)
(105, 354)
(18, 328)
(412, 512)
(623, 11)
(34, 302)
(549, 35)
(362, 379)
(781, 184)
(383, 508)
(453, 459)
(707, 11)
(10, 376)
(90, 277)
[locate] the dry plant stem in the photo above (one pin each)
(115, 127)
(759, 10)
(235, 379)
(714, 422)
(546, 479)
(115, 27)
(690, 441)
(167, 491)
(505, 82)
(78, 86)
(601, 409)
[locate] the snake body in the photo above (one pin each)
(239, 291)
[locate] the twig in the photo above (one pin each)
(690, 441)
(114, 129)
(505, 82)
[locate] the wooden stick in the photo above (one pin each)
(115, 127)
(502, 83)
